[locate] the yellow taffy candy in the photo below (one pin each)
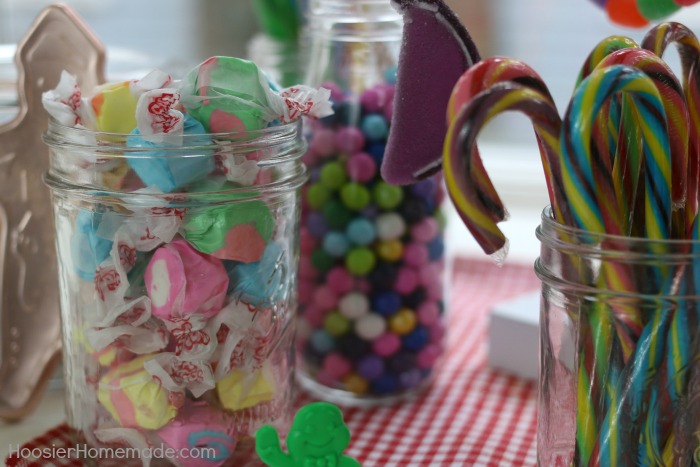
(114, 106)
(241, 389)
(134, 398)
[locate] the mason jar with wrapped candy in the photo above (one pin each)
(177, 208)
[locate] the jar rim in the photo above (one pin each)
(63, 136)
(581, 236)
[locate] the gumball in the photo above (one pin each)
(425, 230)
(355, 383)
(333, 175)
(361, 232)
(385, 384)
(416, 254)
(307, 269)
(428, 313)
(390, 226)
(353, 305)
(325, 298)
(355, 196)
(336, 244)
(370, 326)
(307, 241)
(406, 281)
(390, 250)
(337, 95)
(360, 261)
(411, 378)
(305, 290)
(314, 314)
(437, 332)
(316, 224)
(349, 140)
(390, 75)
(376, 150)
(371, 100)
(340, 280)
(336, 366)
(387, 196)
(323, 142)
(336, 324)
(428, 356)
(425, 188)
(361, 167)
(374, 127)
(387, 344)
(317, 195)
(370, 367)
(321, 341)
(416, 339)
(403, 321)
(336, 214)
(436, 248)
(322, 261)
(386, 303)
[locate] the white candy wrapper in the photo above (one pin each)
(240, 170)
(157, 117)
(156, 79)
(195, 337)
(245, 339)
(301, 101)
(176, 374)
(66, 104)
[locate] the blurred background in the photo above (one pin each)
(553, 36)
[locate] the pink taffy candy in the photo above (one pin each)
(181, 281)
(200, 436)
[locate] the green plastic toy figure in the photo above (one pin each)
(317, 438)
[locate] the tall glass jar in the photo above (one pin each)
(177, 271)
(619, 348)
(372, 255)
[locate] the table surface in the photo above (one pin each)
(470, 415)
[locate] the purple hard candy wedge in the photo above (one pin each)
(436, 50)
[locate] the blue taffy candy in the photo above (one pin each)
(260, 283)
(170, 173)
(88, 249)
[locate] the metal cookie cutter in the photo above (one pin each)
(30, 322)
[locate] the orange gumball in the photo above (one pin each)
(626, 13)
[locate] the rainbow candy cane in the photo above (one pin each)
(476, 79)
(460, 159)
(583, 191)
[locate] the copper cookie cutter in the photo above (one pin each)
(30, 321)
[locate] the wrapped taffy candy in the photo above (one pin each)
(176, 233)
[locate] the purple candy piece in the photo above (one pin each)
(436, 50)
(370, 367)
(411, 378)
(316, 224)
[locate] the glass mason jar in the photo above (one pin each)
(372, 255)
(177, 271)
(619, 377)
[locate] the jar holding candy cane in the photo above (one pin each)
(176, 209)
(372, 263)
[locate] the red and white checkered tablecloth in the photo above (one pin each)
(470, 416)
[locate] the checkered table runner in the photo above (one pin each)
(471, 415)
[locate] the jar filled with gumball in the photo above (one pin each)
(371, 316)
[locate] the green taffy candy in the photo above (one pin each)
(206, 228)
(226, 94)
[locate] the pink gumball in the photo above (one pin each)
(325, 298)
(340, 280)
(386, 345)
(406, 281)
(336, 366)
